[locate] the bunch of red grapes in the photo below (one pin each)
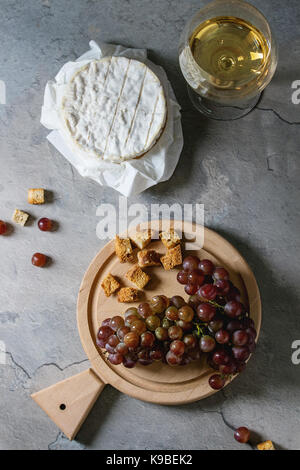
(226, 331)
(214, 322)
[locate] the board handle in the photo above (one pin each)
(69, 402)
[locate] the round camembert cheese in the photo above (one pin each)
(114, 108)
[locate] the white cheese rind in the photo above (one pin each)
(114, 108)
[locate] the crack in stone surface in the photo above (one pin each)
(291, 123)
(18, 366)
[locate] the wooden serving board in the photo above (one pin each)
(69, 402)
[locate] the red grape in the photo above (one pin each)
(116, 323)
(177, 347)
(206, 266)
(190, 341)
(207, 343)
(172, 313)
(122, 348)
(195, 277)
(191, 289)
(215, 324)
(208, 291)
(252, 347)
(222, 286)
(110, 348)
(172, 359)
(177, 301)
(138, 326)
(39, 260)
(220, 357)
(132, 340)
(104, 332)
(161, 333)
(251, 332)
(190, 262)
(122, 332)
(3, 227)
(113, 341)
(233, 309)
(144, 357)
(206, 312)
(131, 311)
(242, 435)
(115, 358)
(45, 225)
(234, 325)
(216, 381)
(194, 301)
(159, 303)
(186, 313)
(182, 277)
(240, 338)
(156, 354)
(241, 353)
(106, 322)
(175, 332)
(145, 310)
(100, 343)
(220, 274)
(185, 325)
(153, 322)
(130, 320)
(222, 336)
(128, 361)
(227, 369)
(147, 339)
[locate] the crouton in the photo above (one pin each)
(138, 277)
(267, 445)
(20, 217)
(36, 196)
(123, 249)
(148, 258)
(142, 239)
(110, 285)
(170, 239)
(128, 294)
(172, 258)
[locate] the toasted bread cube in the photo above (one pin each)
(138, 277)
(123, 249)
(20, 217)
(148, 258)
(172, 258)
(170, 239)
(128, 294)
(36, 196)
(110, 285)
(267, 445)
(142, 239)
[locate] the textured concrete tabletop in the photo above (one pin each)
(245, 172)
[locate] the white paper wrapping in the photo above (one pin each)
(129, 177)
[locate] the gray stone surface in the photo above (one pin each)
(245, 172)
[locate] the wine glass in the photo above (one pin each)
(228, 55)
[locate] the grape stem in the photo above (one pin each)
(215, 304)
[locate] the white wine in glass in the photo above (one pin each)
(227, 55)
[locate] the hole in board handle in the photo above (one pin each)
(62, 407)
